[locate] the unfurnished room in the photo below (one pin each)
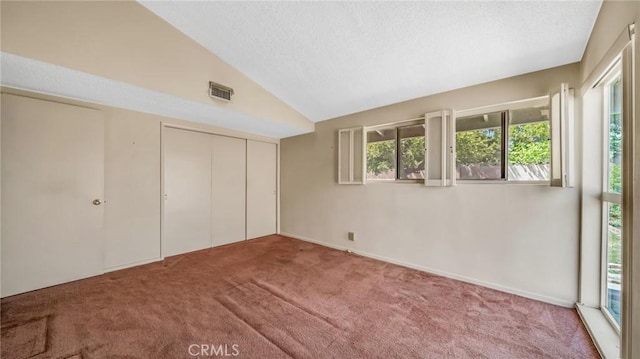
(319, 179)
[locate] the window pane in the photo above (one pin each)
(615, 137)
(613, 235)
(479, 146)
(381, 154)
(614, 259)
(411, 160)
(529, 144)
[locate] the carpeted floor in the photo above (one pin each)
(277, 297)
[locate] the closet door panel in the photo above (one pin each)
(187, 185)
(261, 188)
(228, 189)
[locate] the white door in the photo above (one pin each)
(261, 189)
(52, 171)
(132, 188)
(187, 186)
(229, 189)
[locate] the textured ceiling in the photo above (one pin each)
(328, 59)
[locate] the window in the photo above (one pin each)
(529, 149)
(510, 145)
(396, 153)
(479, 146)
(506, 142)
(381, 154)
(612, 199)
(411, 152)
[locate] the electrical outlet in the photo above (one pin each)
(351, 236)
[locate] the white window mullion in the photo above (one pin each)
(612, 197)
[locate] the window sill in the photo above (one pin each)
(395, 181)
(538, 183)
(465, 182)
(605, 338)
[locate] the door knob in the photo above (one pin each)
(97, 202)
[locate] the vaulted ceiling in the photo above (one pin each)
(328, 59)
(289, 62)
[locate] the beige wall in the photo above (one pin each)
(516, 237)
(123, 41)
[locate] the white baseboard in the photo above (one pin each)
(502, 288)
(129, 265)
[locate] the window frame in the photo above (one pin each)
(505, 109)
(398, 154)
(396, 126)
(607, 197)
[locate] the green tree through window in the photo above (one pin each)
(479, 147)
(381, 156)
(530, 144)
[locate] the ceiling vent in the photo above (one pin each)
(220, 92)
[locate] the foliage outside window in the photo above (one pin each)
(396, 153)
(615, 137)
(529, 150)
(613, 211)
(381, 154)
(411, 152)
(505, 145)
(479, 146)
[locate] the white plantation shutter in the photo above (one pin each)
(351, 156)
(562, 133)
(439, 157)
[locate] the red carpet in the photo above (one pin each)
(277, 297)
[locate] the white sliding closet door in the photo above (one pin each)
(229, 189)
(52, 172)
(261, 188)
(187, 185)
